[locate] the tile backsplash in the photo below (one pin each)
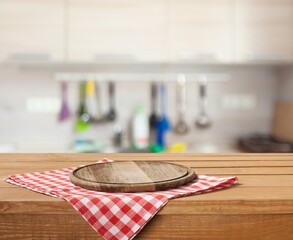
(42, 130)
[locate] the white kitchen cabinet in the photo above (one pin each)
(201, 30)
(264, 30)
(31, 30)
(117, 30)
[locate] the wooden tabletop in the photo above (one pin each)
(259, 207)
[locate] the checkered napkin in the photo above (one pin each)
(113, 215)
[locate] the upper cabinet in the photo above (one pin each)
(117, 30)
(264, 30)
(31, 30)
(208, 31)
(201, 30)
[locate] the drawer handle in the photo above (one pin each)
(204, 56)
(29, 57)
(267, 57)
(123, 57)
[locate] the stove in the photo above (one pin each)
(259, 143)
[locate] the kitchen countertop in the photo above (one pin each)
(259, 207)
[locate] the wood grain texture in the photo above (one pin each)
(135, 176)
(263, 200)
(207, 227)
(258, 22)
(27, 158)
(19, 29)
(201, 30)
(116, 28)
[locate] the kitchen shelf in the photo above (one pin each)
(122, 76)
(166, 64)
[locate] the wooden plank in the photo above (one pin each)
(20, 194)
(263, 200)
(227, 170)
(31, 207)
(45, 227)
(192, 207)
(174, 207)
(202, 171)
(224, 163)
(246, 171)
(74, 157)
(4, 184)
(245, 180)
(201, 227)
(191, 163)
(266, 180)
(244, 193)
(219, 227)
(241, 195)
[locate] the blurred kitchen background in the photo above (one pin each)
(146, 76)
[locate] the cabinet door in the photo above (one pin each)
(31, 30)
(201, 30)
(264, 30)
(122, 30)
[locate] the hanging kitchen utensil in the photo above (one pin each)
(203, 120)
(90, 100)
(163, 124)
(83, 118)
(98, 100)
(112, 115)
(153, 119)
(64, 113)
(181, 126)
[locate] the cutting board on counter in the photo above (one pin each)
(134, 176)
(283, 124)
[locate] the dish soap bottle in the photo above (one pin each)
(140, 129)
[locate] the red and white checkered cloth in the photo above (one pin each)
(113, 215)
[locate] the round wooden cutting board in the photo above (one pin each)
(136, 176)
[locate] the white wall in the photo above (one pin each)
(26, 129)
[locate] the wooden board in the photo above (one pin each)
(263, 200)
(283, 127)
(162, 227)
(135, 176)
